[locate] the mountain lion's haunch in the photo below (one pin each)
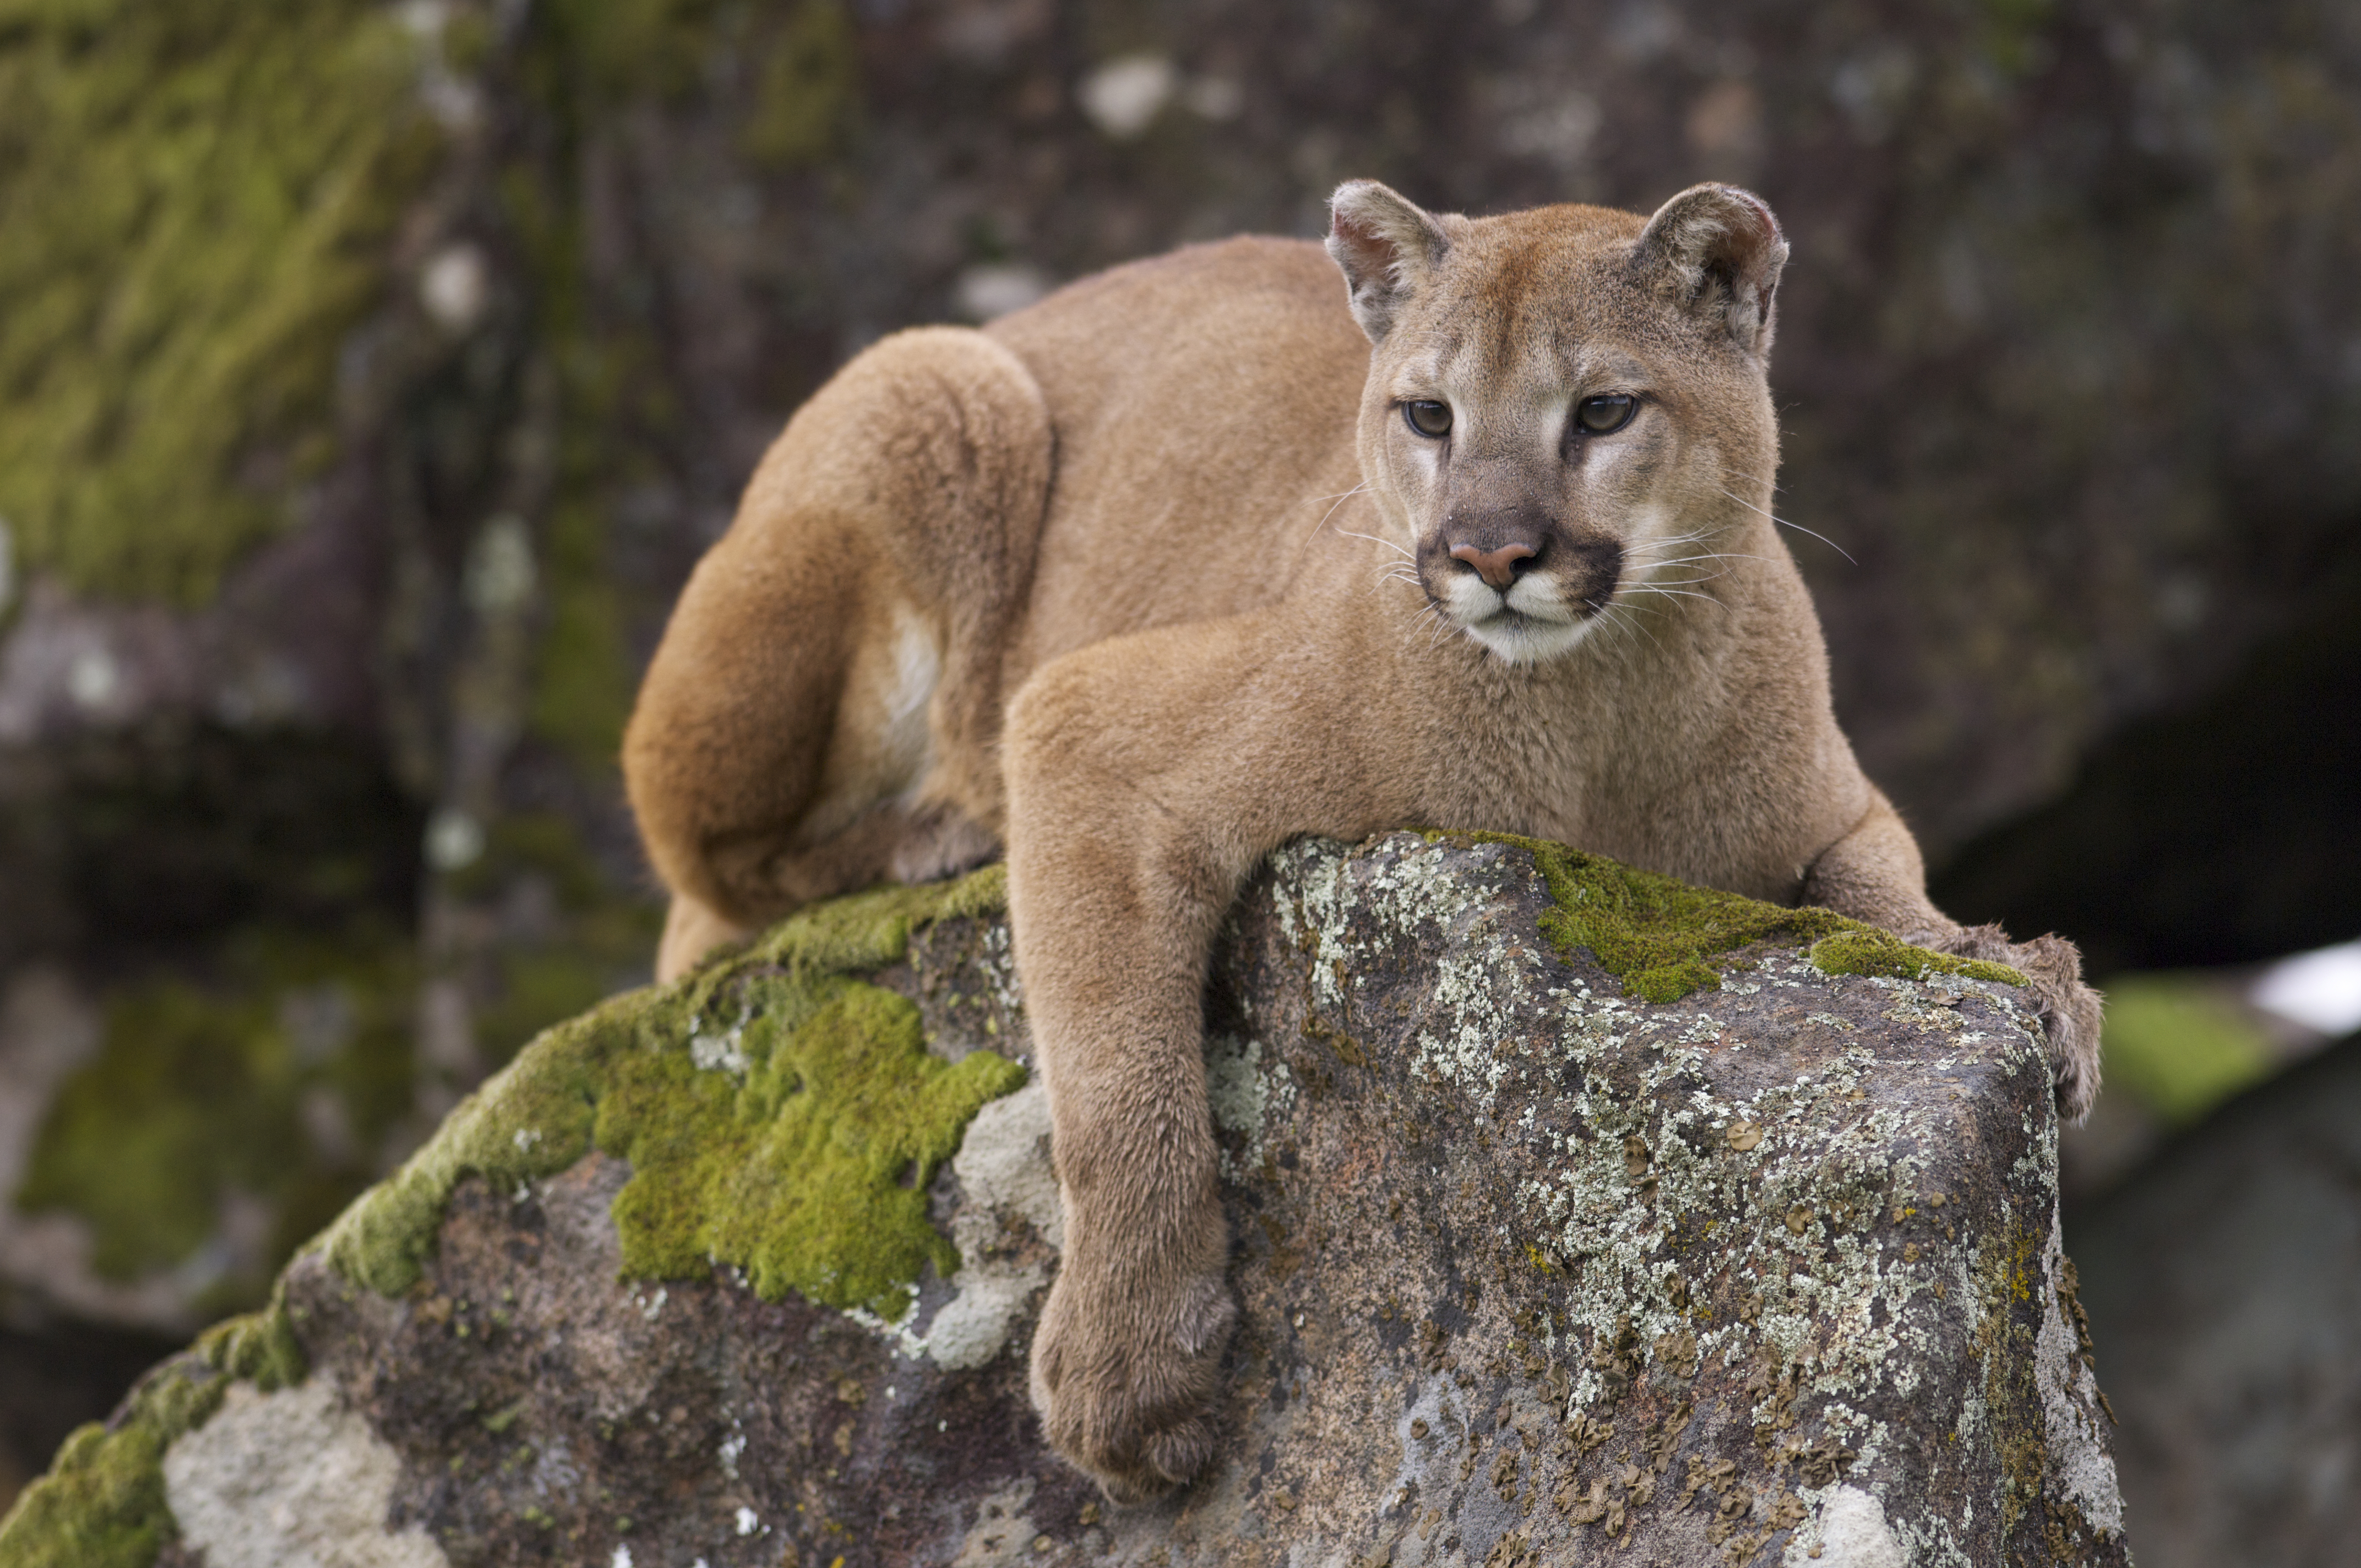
(1173, 567)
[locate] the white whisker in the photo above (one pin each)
(1716, 555)
(1339, 500)
(1677, 593)
(1798, 527)
(1373, 539)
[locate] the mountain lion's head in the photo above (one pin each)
(1566, 415)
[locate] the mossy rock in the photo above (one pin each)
(1468, 1186)
(102, 1505)
(199, 1090)
(198, 199)
(1658, 934)
(782, 1118)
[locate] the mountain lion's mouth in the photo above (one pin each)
(1541, 601)
(1534, 619)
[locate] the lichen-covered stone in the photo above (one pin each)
(1531, 1272)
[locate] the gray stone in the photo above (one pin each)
(291, 1479)
(1530, 1272)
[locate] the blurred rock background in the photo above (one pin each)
(371, 376)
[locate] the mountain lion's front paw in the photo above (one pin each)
(2069, 1009)
(1126, 1373)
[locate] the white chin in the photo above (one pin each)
(1522, 639)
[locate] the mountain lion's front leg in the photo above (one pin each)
(1142, 776)
(1874, 873)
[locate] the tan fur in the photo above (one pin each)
(1172, 524)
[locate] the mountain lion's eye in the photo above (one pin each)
(1428, 417)
(1599, 416)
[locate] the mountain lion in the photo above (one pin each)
(1205, 553)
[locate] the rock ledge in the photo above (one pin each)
(1534, 1268)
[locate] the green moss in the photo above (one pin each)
(196, 1093)
(800, 1155)
(810, 87)
(1655, 934)
(2179, 1045)
(194, 196)
(1869, 951)
(258, 1347)
(811, 1176)
(531, 1120)
(873, 929)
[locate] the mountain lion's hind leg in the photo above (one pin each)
(821, 711)
(1874, 873)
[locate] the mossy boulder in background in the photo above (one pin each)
(1533, 1271)
(196, 198)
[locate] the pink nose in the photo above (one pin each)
(1498, 567)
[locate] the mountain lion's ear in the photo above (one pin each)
(1387, 246)
(1718, 251)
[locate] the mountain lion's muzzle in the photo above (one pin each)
(1483, 563)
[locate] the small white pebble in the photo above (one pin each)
(747, 1521)
(622, 1558)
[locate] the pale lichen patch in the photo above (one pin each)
(294, 1477)
(1243, 1094)
(1004, 1179)
(2069, 1391)
(1850, 1531)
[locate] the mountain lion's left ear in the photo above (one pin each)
(1718, 251)
(1387, 246)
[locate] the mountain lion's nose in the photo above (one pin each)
(1498, 567)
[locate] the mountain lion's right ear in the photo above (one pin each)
(1716, 250)
(1387, 246)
